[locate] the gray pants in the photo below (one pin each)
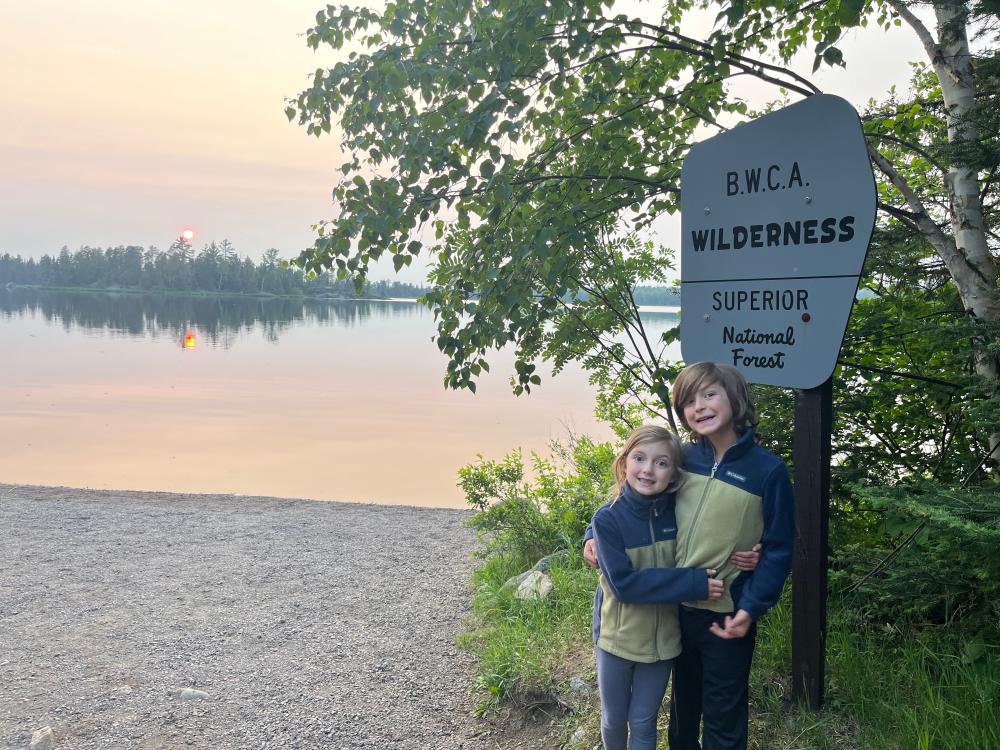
(631, 694)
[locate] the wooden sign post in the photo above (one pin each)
(811, 457)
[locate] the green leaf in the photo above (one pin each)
(833, 56)
(849, 12)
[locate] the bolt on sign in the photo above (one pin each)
(776, 219)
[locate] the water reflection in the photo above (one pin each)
(217, 320)
(337, 400)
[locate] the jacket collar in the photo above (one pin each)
(746, 441)
(641, 505)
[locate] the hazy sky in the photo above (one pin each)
(125, 121)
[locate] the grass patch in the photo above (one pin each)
(903, 687)
(888, 687)
(528, 649)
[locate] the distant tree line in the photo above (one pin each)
(660, 296)
(657, 295)
(215, 268)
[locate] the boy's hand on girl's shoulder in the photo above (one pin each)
(746, 561)
(736, 626)
(590, 553)
(715, 586)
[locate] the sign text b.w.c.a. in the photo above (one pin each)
(776, 219)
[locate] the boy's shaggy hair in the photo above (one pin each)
(695, 377)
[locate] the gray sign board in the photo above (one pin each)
(776, 219)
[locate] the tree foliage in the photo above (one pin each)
(530, 145)
(933, 558)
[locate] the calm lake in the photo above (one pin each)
(331, 400)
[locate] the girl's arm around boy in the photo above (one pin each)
(653, 585)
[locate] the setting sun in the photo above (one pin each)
(188, 234)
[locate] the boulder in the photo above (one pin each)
(536, 585)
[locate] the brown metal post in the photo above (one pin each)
(811, 457)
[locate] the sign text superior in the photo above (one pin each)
(761, 299)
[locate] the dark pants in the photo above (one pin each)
(711, 681)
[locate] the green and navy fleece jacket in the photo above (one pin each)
(635, 610)
(730, 505)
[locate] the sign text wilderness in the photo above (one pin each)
(818, 231)
(776, 217)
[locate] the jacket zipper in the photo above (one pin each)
(656, 559)
(701, 501)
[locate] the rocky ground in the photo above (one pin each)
(161, 621)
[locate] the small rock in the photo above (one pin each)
(190, 694)
(580, 685)
(42, 739)
(544, 565)
(534, 586)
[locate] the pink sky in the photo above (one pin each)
(126, 120)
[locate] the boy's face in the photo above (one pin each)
(708, 411)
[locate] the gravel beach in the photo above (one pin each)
(153, 620)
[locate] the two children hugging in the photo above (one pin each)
(671, 536)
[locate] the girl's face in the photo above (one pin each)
(649, 468)
(709, 413)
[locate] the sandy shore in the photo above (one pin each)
(301, 624)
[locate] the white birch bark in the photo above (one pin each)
(966, 252)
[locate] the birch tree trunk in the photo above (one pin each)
(965, 252)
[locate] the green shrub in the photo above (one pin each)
(938, 548)
(889, 686)
(527, 648)
(525, 518)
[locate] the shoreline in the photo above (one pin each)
(186, 496)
